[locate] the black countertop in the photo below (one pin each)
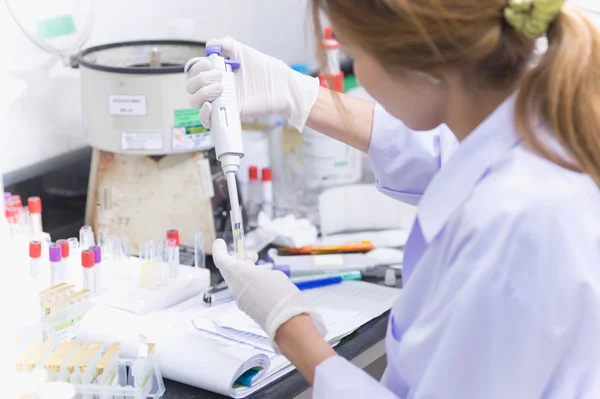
(293, 383)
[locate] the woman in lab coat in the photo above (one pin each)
(502, 266)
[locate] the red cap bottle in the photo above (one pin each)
(252, 173)
(34, 204)
(64, 247)
(35, 249)
(87, 258)
(267, 174)
(174, 234)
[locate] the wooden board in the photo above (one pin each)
(139, 197)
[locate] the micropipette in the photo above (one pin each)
(226, 131)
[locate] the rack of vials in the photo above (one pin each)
(93, 369)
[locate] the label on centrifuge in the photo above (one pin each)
(127, 105)
(195, 138)
(142, 141)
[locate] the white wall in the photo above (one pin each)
(39, 98)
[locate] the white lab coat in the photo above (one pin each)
(504, 301)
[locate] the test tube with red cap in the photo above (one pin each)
(97, 268)
(174, 234)
(35, 214)
(332, 75)
(35, 259)
(88, 262)
(55, 264)
(254, 196)
(267, 192)
(64, 264)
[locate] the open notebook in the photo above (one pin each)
(221, 349)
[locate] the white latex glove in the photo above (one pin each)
(267, 296)
(265, 85)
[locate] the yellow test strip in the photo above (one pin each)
(27, 352)
(64, 349)
(78, 355)
(88, 357)
(39, 353)
(108, 355)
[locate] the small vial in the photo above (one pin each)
(35, 214)
(55, 264)
(237, 227)
(86, 237)
(87, 262)
(199, 255)
(73, 244)
(97, 268)
(174, 234)
(35, 259)
(64, 264)
(267, 192)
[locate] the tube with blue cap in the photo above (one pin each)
(226, 131)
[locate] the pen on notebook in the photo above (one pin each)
(221, 294)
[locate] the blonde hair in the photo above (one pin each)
(473, 35)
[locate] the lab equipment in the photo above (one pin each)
(86, 237)
(64, 263)
(103, 237)
(254, 196)
(55, 264)
(35, 259)
(199, 255)
(34, 205)
(332, 75)
(88, 262)
(97, 269)
(267, 192)
(226, 131)
(174, 234)
(217, 294)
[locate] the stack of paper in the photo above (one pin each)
(211, 348)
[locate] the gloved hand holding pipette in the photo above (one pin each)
(276, 90)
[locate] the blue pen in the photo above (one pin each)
(306, 285)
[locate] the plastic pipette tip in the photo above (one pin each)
(97, 253)
(34, 204)
(35, 249)
(55, 253)
(267, 174)
(87, 258)
(174, 234)
(64, 247)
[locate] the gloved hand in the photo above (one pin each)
(267, 296)
(265, 85)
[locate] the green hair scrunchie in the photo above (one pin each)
(532, 18)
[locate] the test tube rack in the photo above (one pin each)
(137, 378)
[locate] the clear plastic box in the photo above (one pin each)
(134, 378)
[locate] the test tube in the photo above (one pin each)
(55, 263)
(144, 263)
(64, 264)
(199, 256)
(171, 258)
(35, 259)
(175, 235)
(73, 244)
(237, 228)
(102, 237)
(97, 269)
(35, 214)
(86, 237)
(87, 262)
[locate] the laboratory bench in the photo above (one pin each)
(62, 185)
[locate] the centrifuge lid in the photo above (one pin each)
(59, 27)
(135, 57)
